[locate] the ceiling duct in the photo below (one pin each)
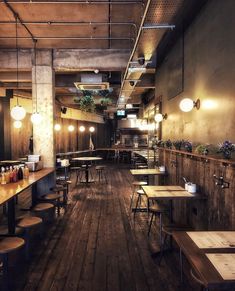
(92, 82)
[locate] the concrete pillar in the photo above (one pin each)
(43, 133)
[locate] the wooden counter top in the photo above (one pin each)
(12, 189)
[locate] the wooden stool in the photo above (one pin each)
(66, 184)
(54, 198)
(156, 210)
(44, 211)
(137, 185)
(100, 170)
(8, 245)
(27, 223)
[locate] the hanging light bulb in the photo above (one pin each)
(82, 128)
(92, 129)
(158, 117)
(57, 127)
(17, 112)
(36, 118)
(70, 128)
(17, 124)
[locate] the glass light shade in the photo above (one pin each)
(17, 124)
(57, 127)
(186, 104)
(82, 128)
(36, 118)
(18, 112)
(70, 128)
(91, 129)
(158, 117)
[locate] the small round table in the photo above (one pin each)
(87, 160)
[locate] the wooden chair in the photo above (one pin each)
(8, 245)
(27, 224)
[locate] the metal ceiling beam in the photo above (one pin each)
(158, 26)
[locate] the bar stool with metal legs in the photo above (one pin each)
(45, 211)
(136, 186)
(77, 171)
(8, 245)
(156, 210)
(140, 194)
(53, 198)
(101, 172)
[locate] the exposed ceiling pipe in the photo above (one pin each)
(135, 45)
(16, 15)
(67, 37)
(157, 26)
(76, 2)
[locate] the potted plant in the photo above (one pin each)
(187, 145)
(202, 149)
(226, 148)
(178, 144)
(105, 101)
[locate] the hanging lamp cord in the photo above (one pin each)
(35, 73)
(17, 57)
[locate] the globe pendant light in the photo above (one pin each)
(36, 117)
(17, 112)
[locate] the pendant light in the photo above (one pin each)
(17, 124)
(36, 117)
(17, 112)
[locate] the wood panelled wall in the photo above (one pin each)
(215, 212)
(65, 141)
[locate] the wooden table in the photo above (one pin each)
(147, 172)
(87, 160)
(167, 193)
(9, 191)
(199, 258)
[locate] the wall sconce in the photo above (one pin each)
(82, 128)
(188, 104)
(70, 128)
(160, 117)
(57, 127)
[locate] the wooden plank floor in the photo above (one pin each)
(96, 245)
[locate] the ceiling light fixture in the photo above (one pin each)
(17, 112)
(82, 128)
(92, 129)
(188, 104)
(36, 117)
(70, 128)
(57, 127)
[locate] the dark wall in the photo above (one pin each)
(208, 74)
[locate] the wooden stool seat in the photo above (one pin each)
(64, 182)
(51, 196)
(140, 192)
(10, 244)
(43, 207)
(156, 208)
(29, 221)
(58, 188)
(168, 229)
(100, 167)
(139, 183)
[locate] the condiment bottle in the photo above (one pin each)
(7, 175)
(20, 173)
(11, 174)
(26, 172)
(3, 176)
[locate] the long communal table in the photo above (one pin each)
(9, 191)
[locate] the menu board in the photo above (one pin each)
(213, 239)
(224, 264)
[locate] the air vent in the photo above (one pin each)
(101, 86)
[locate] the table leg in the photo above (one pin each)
(11, 216)
(87, 173)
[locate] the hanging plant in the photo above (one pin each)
(105, 101)
(87, 103)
